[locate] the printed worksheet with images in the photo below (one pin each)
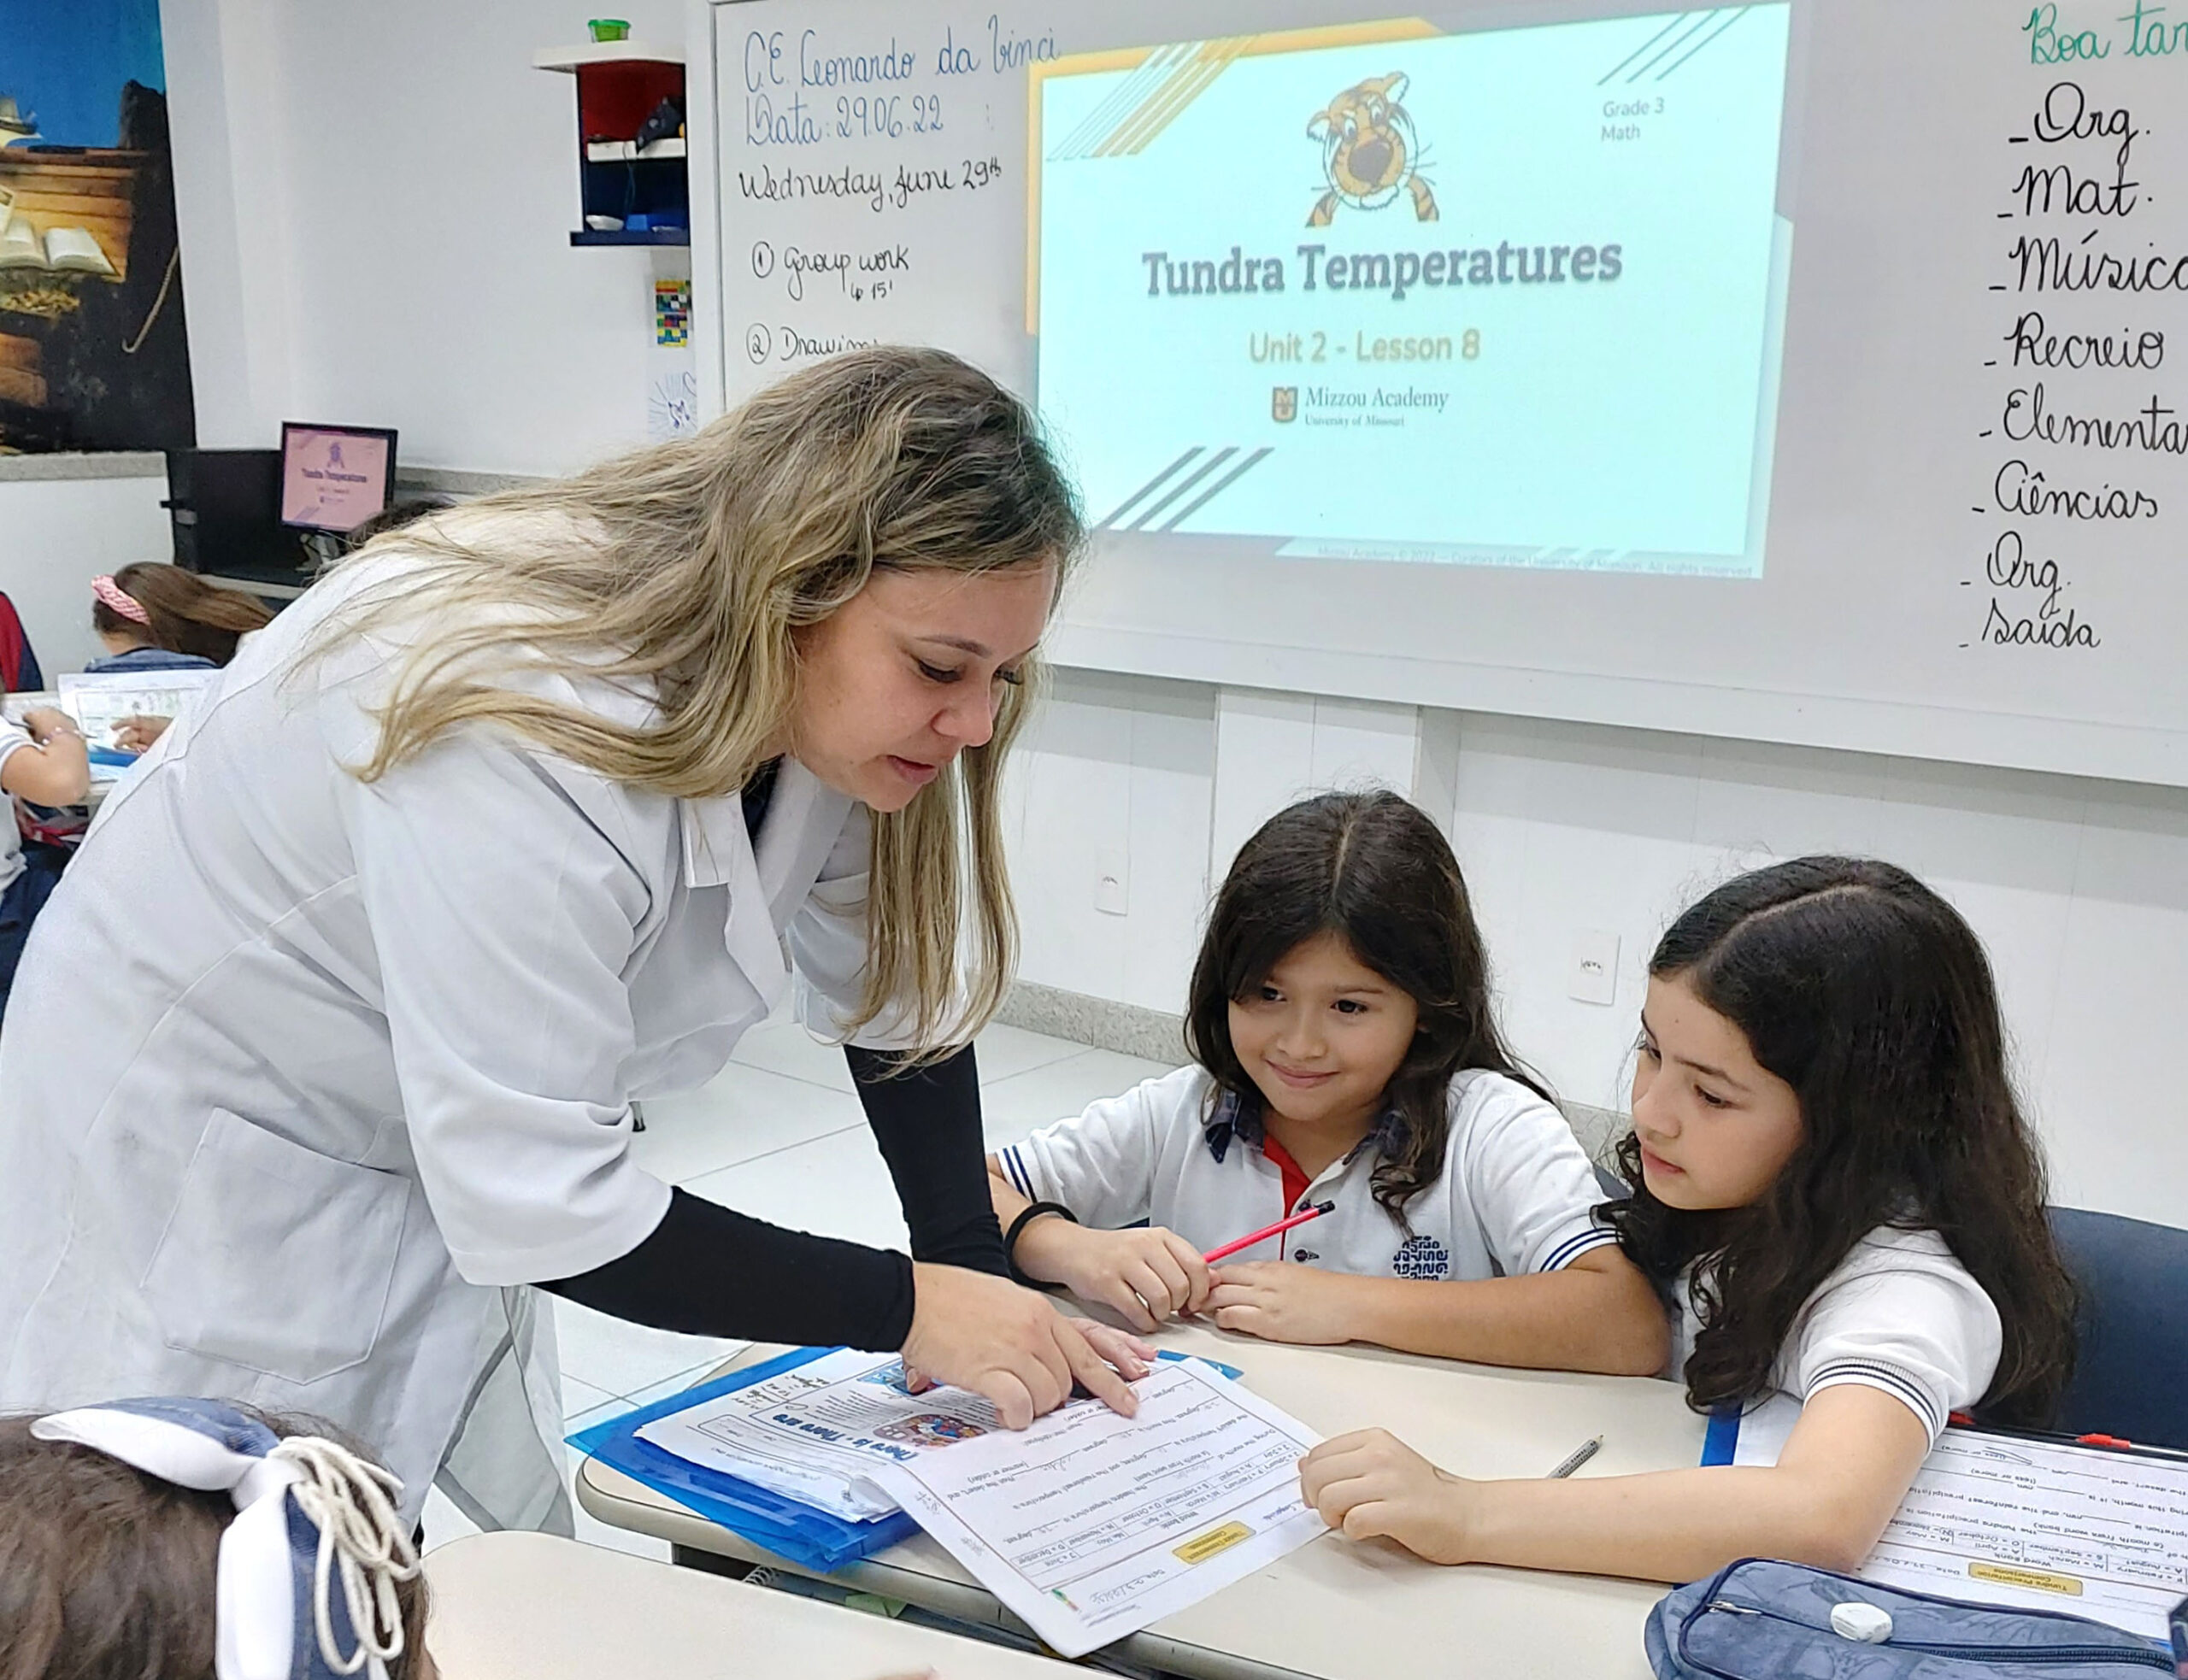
(98, 701)
(2043, 1526)
(817, 1431)
(1091, 1525)
(2034, 1524)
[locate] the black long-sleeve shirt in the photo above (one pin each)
(710, 1271)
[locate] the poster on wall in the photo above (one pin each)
(673, 380)
(93, 354)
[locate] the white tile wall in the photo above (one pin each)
(1113, 766)
(1271, 748)
(2079, 888)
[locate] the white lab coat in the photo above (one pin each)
(303, 1078)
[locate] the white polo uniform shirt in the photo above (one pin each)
(1900, 1313)
(1514, 1196)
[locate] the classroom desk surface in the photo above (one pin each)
(532, 1607)
(1334, 1610)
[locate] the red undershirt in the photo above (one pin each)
(1295, 1180)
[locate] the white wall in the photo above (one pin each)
(2080, 889)
(226, 65)
(1119, 768)
(376, 203)
(55, 536)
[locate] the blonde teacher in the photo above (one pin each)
(326, 1045)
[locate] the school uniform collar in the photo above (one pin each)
(148, 659)
(1239, 1117)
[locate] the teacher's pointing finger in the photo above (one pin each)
(983, 1333)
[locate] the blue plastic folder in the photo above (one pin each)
(811, 1538)
(1723, 1438)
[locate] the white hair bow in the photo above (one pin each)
(309, 1512)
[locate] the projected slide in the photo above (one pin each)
(1508, 298)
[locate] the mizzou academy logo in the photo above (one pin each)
(1370, 153)
(1283, 402)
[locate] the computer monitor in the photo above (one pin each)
(334, 478)
(226, 505)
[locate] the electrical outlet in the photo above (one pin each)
(1111, 883)
(1594, 975)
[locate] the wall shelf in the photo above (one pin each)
(628, 151)
(631, 236)
(619, 86)
(574, 59)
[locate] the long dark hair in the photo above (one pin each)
(1871, 997)
(1371, 868)
(188, 614)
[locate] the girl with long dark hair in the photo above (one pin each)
(1834, 1182)
(1345, 1051)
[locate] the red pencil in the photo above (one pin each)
(1276, 1230)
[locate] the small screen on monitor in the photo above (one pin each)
(334, 478)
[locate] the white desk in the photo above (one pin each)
(531, 1606)
(1334, 1610)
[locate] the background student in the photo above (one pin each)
(43, 763)
(192, 623)
(134, 1541)
(1831, 1171)
(148, 617)
(155, 617)
(1345, 1050)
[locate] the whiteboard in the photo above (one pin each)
(862, 175)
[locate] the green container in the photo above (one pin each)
(609, 28)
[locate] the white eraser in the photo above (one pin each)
(1864, 1622)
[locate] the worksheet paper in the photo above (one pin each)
(1091, 1525)
(818, 1432)
(2043, 1526)
(98, 701)
(2034, 1524)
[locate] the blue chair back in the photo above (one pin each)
(2131, 1370)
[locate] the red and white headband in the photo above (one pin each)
(112, 595)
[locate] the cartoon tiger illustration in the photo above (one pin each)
(1369, 150)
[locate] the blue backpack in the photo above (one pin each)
(1759, 1620)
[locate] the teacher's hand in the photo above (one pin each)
(1005, 1344)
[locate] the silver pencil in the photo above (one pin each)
(1581, 1455)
